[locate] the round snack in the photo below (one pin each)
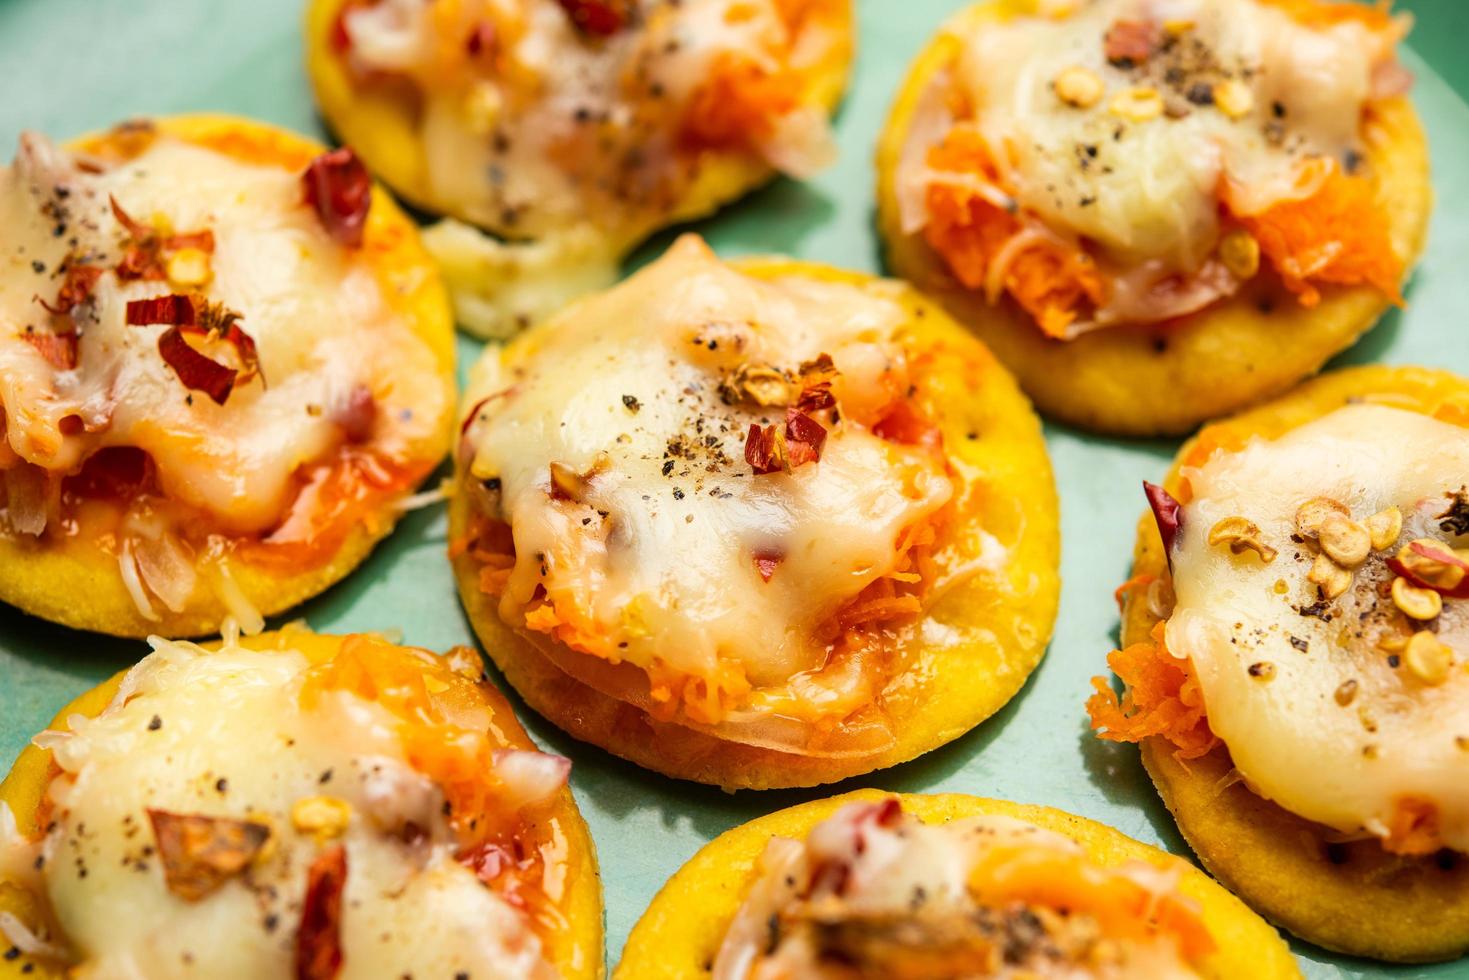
(226, 361)
(575, 128)
(937, 887)
(1296, 661)
(295, 805)
(1158, 214)
(769, 524)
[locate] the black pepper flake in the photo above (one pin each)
(12, 953)
(667, 467)
(325, 777)
(1200, 93)
(271, 921)
(221, 785)
(1302, 645)
(37, 266)
(631, 403)
(155, 723)
(1394, 660)
(677, 494)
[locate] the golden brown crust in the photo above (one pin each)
(1161, 379)
(379, 121)
(1004, 619)
(75, 583)
(578, 951)
(1355, 898)
(679, 935)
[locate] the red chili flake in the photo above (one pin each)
(1131, 42)
(804, 437)
(777, 448)
(196, 371)
(173, 309)
(766, 562)
(76, 289)
(357, 414)
(135, 228)
(1442, 555)
(815, 398)
(59, 349)
(760, 450)
(193, 315)
(147, 247)
(482, 40)
(1168, 513)
(904, 423)
(319, 937)
(338, 186)
(598, 18)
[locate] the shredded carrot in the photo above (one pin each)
(1052, 282)
(796, 14)
(739, 103)
(1317, 13)
(333, 501)
(853, 634)
(1126, 589)
(1162, 698)
(1123, 907)
(1454, 411)
(1414, 827)
(1211, 439)
(705, 700)
(1338, 235)
(455, 758)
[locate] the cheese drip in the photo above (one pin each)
(1233, 102)
(875, 892)
(535, 127)
(1340, 730)
(660, 553)
(225, 734)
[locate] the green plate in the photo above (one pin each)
(75, 66)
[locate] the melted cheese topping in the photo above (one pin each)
(885, 894)
(660, 555)
(313, 308)
(224, 734)
(1297, 737)
(1143, 191)
(540, 127)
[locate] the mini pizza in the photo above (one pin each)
(869, 885)
(295, 805)
(225, 362)
(760, 525)
(1158, 211)
(574, 128)
(1296, 659)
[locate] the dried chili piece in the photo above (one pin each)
(200, 853)
(1167, 513)
(319, 937)
(338, 187)
(598, 18)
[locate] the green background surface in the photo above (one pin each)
(74, 65)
